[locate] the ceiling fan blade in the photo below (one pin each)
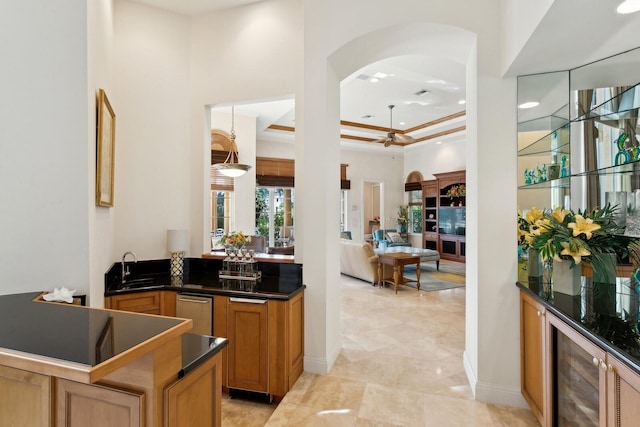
(388, 141)
(379, 141)
(406, 139)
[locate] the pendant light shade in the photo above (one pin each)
(230, 168)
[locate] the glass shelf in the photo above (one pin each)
(556, 142)
(622, 106)
(627, 168)
(551, 183)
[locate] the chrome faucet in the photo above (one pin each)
(126, 272)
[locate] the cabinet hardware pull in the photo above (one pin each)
(198, 301)
(541, 313)
(610, 367)
(595, 361)
(603, 365)
(249, 300)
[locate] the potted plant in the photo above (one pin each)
(403, 218)
(569, 238)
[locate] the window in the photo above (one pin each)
(221, 203)
(415, 211)
(274, 215)
(343, 210)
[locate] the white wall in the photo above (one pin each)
(100, 71)
(380, 166)
(43, 146)
(432, 158)
(245, 53)
(151, 101)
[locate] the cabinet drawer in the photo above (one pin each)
(143, 302)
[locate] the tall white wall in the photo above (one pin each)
(151, 101)
(432, 158)
(100, 72)
(44, 149)
(245, 53)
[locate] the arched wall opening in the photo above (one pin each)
(427, 39)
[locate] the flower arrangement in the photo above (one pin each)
(235, 239)
(458, 190)
(562, 234)
(403, 214)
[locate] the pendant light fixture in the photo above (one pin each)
(230, 167)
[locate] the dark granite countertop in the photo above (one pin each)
(278, 281)
(606, 314)
(198, 348)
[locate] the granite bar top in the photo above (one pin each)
(607, 314)
(198, 348)
(87, 337)
(201, 276)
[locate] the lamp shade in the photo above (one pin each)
(177, 240)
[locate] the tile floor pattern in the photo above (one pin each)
(400, 365)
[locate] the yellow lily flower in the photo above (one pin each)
(582, 225)
(541, 226)
(533, 215)
(559, 214)
(577, 253)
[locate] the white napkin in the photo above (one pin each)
(59, 295)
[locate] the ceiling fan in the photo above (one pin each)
(392, 136)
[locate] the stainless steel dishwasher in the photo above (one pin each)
(197, 308)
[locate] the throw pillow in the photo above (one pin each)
(395, 237)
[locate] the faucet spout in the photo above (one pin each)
(125, 271)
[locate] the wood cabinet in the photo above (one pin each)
(444, 216)
(195, 399)
(567, 379)
(623, 394)
(266, 343)
(80, 404)
(29, 402)
(248, 352)
(533, 360)
(152, 302)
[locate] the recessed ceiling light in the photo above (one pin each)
(402, 123)
(438, 142)
(529, 104)
(374, 80)
(628, 6)
(380, 75)
(437, 82)
(462, 102)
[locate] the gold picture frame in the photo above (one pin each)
(105, 150)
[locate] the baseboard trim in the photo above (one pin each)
(490, 393)
(322, 365)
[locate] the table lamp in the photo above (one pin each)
(177, 244)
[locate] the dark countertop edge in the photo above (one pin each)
(214, 348)
(209, 291)
(623, 356)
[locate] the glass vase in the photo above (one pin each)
(566, 280)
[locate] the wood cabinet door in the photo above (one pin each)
(195, 399)
(28, 402)
(248, 345)
(533, 355)
(623, 394)
(140, 302)
(92, 405)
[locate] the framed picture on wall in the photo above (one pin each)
(105, 150)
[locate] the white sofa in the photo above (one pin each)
(358, 260)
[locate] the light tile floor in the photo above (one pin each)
(400, 365)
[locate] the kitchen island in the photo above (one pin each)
(63, 364)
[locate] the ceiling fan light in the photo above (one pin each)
(628, 6)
